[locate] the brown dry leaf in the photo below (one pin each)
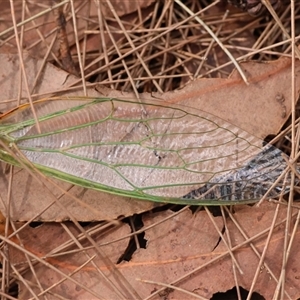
(184, 243)
(52, 79)
(2, 224)
(50, 240)
(254, 221)
(176, 248)
(253, 108)
(51, 243)
(156, 257)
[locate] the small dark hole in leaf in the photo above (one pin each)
(35, 224)
(84, 224)
(136, 224)
(194, 209)
(176, 208)
(232, 295)
(220, 239)
(165, 207)
(214, 210)
(13, 290)
(93, 78)
(268, 139)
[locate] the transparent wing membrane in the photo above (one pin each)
(150, 151)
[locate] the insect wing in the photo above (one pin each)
(151, 151)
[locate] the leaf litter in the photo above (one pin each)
(216, 95)
(185, 247)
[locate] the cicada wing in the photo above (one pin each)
(155, 151)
